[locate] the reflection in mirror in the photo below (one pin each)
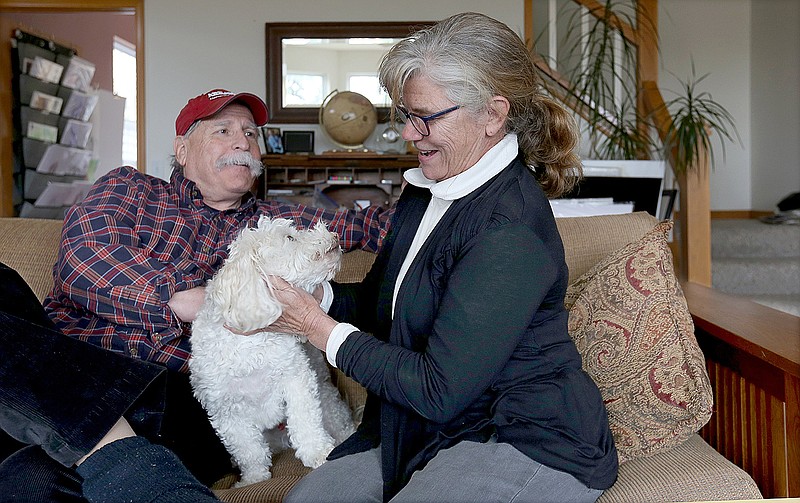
(308, 61)
(313, 68)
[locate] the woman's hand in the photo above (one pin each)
(301, 313)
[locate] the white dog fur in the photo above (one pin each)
(251, 386)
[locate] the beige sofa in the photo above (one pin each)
(629, 319)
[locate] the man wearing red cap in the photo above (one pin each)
(137, 251)
(130, 276)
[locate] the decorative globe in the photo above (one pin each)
(348, 118)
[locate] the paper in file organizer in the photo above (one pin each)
(80, 105)
(76, 133)
(63, 160)
(46, 102)
(79, 74)
(46, 70)
(42, 132)
(58, 194)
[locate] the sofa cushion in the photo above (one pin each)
(286, 470)
(355, 265)
(588, 240)
(692, 471)
(631, 324)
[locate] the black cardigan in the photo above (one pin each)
(479, 344)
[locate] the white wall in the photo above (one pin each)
(194, 45)
(715, 34)
(751, 51)
(775, 107)
(107, 124)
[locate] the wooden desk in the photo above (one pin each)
(334, 180)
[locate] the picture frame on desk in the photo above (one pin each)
(272, 140)
(298, 142)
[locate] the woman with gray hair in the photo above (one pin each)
(476, 391)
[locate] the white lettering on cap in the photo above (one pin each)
(218, 94)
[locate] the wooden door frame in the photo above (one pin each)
(55, 6)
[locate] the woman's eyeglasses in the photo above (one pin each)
(420, 122)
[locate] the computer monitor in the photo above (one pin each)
(637, 182)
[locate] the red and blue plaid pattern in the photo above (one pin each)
(136, 240)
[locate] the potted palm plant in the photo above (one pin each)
(606, 69)
(596, 74)
(695, 116)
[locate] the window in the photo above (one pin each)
(369, 86)
(124, 63)
(303, 90)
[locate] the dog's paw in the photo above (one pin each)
(253, 476)
(313, 458)
(316, 460)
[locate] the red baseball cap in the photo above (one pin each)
(207, 104)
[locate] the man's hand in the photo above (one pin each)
(185, 304)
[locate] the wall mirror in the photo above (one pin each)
(307, 61)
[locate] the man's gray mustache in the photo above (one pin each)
(243, 158)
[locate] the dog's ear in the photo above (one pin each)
(242, 296)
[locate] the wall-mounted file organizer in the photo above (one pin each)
(53, 105)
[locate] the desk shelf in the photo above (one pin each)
(334, 180)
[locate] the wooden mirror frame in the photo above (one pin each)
(276, 32)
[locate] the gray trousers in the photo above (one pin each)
(467, 472)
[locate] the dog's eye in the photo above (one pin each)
(290, 238)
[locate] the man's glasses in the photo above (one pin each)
(420, 122)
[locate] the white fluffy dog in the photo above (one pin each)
(254, 385)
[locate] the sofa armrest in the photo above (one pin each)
(753, 358)
(30, 247)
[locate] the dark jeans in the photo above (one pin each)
(63, 395)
